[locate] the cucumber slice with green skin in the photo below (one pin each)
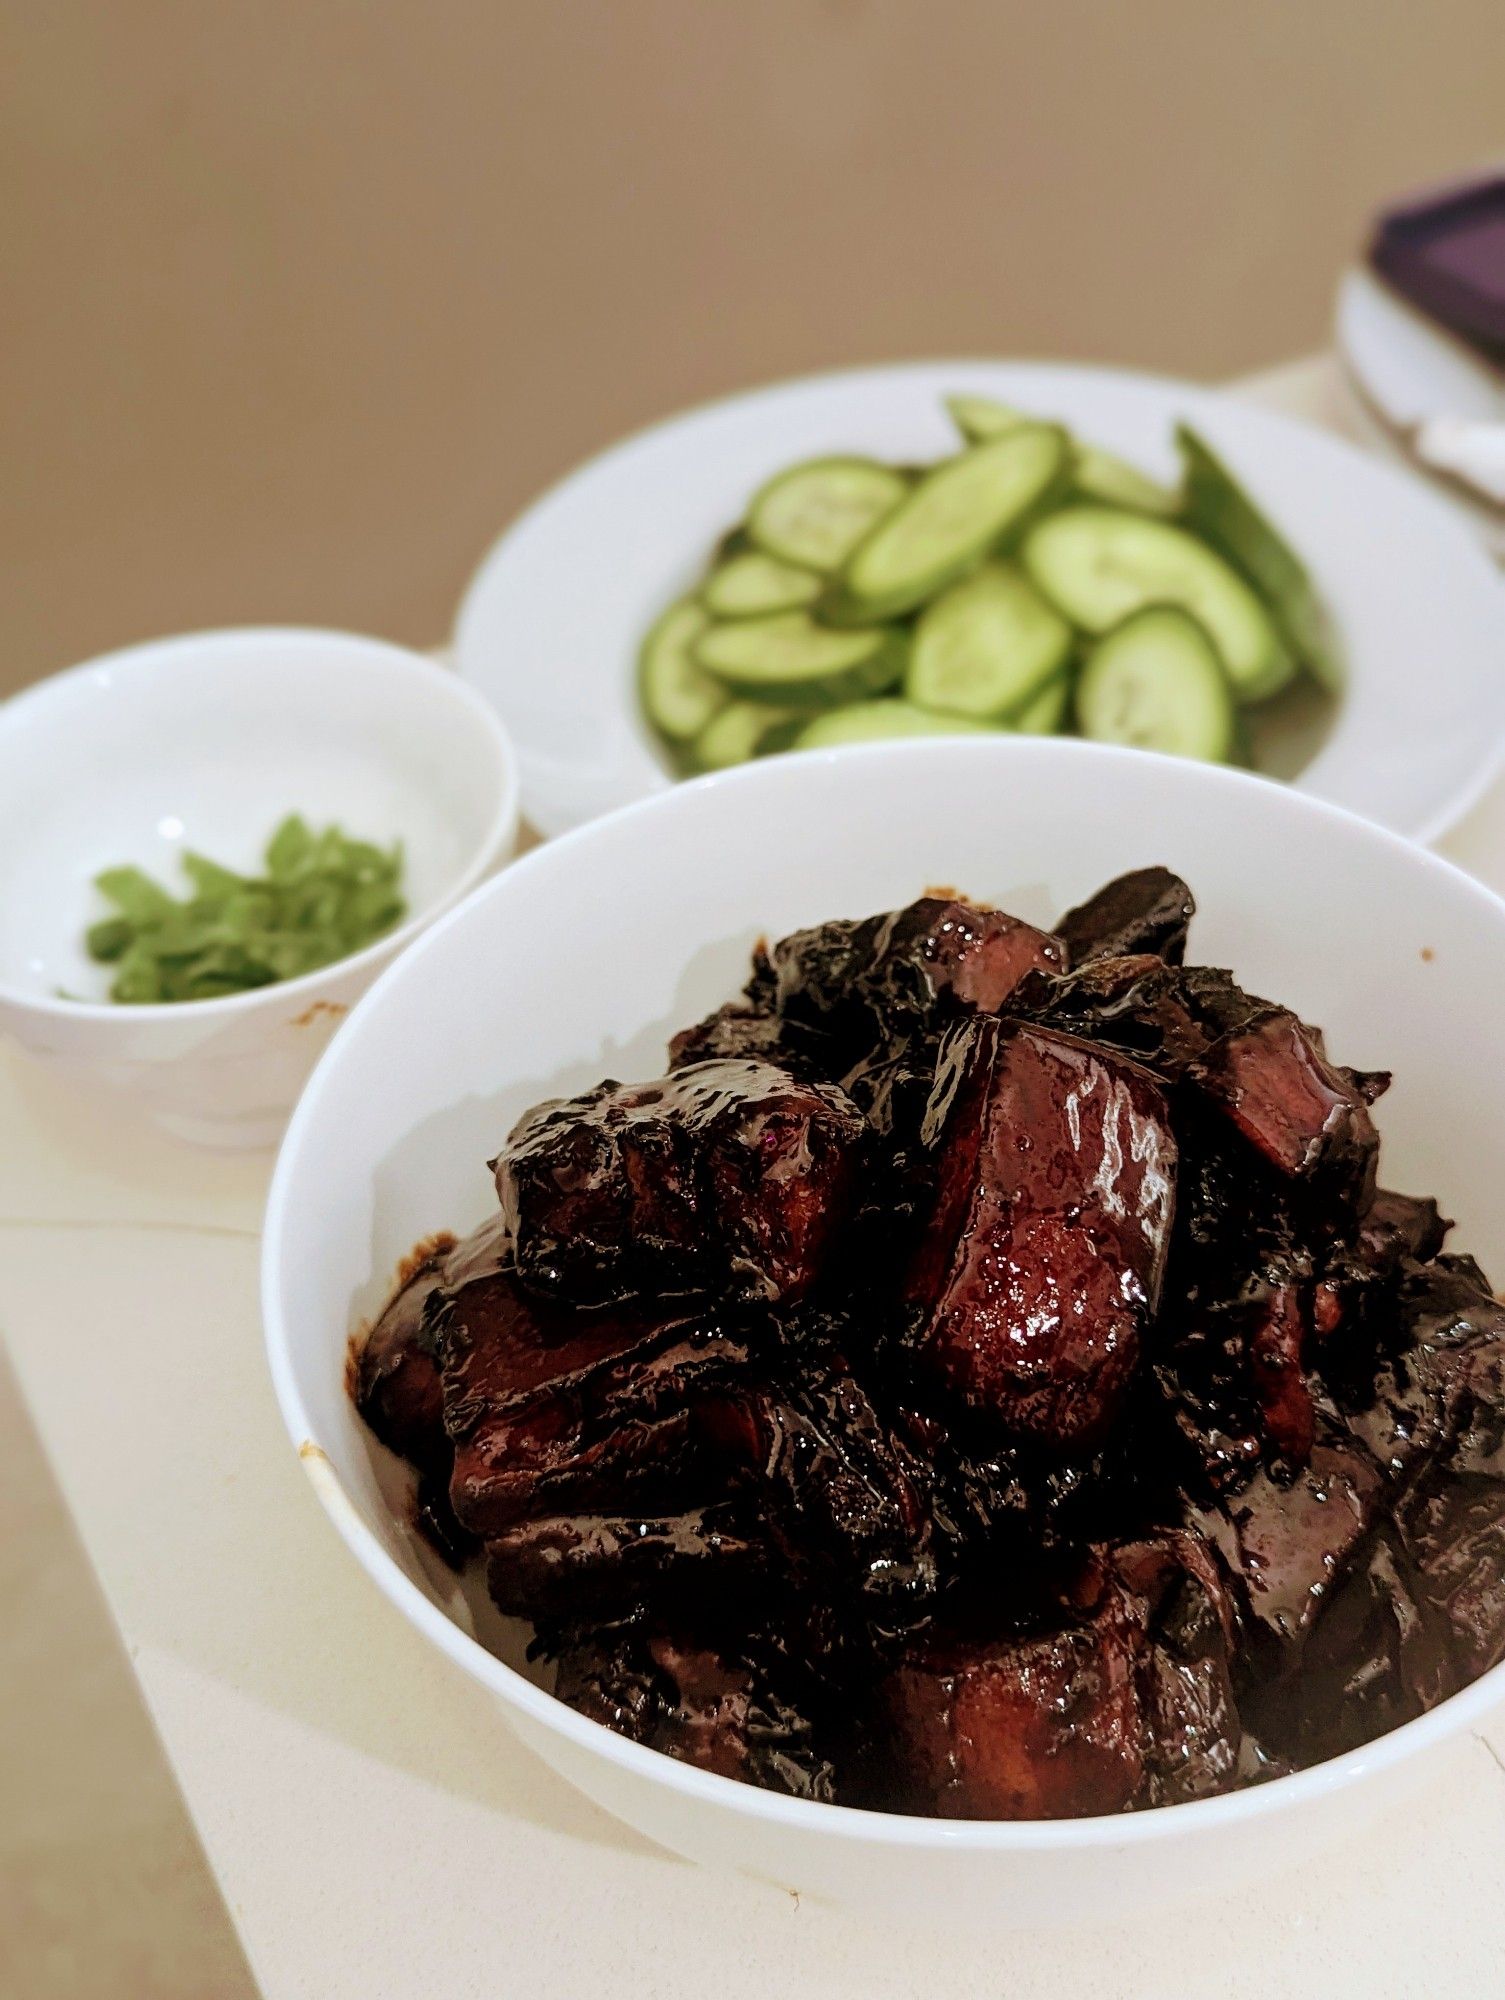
(752, 584)
(1157, 682)
(979, 417)
(985, 647)
(965, 507)
(1098, 565)
(739, 733)
(679, 697)
(1048, 712)
(1101, 476)
(869, 721)
(843, 613)
(791, 662)
(1218, 509)
(815, 514)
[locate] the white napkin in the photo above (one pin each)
(1470, 451)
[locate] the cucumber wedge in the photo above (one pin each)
(1101, 476)
(956, 514)
(979, 417)
(986, 646)
(1047, 713)
(791, 662)
(868, 721)
(1157, 683)
(815, 514)
(1097, 565)
(678, 696)
(752, 584)
(740, 732)
(1218, 509)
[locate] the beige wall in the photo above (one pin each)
(302, 299)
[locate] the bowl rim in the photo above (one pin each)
(221, 648)
(1460, 800)
(1146, 1828)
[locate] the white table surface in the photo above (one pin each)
(374, 1827)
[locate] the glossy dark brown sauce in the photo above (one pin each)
(983, 1377)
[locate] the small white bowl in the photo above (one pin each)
(206, 742)
(552, 622)
(636, 925)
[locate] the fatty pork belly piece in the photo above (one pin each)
(1288, 1540)
(865, 980)
(1148, 910)
(396, 1371)
(728, 1176)
(588, 1565)
(1419, 1609)
(1042, 1260)
(739, 1033)
(1437, 1422)
(396, 1383)
(738, 1707)
(1126, 1701)
(552, 1411)
(1304, 1121)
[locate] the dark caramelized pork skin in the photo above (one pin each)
(737, 1706)
(863, 981)
(1042, 1259)
(728, 1177)
(845, 1497)
(590, 1565)
(1146, 911)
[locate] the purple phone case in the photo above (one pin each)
(1446, 253)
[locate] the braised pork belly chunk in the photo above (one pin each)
(984, 1376)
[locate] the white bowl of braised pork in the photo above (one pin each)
(985, 1430)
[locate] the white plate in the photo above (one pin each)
(550, 627)
(581, 960)
(1404, 371)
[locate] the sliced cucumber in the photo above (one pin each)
(1097, 565)
(979, 417)
(1217, 508)
(741, 731)
(986, 646)
(815, 514)
(956, 514)
(1157, 682)
(867, 721)
(735, 542)
(753, 584)
(1099, 475)
(792, 662)
(1046, 713)
(679, 697)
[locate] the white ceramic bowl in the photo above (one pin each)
(582, 958)
(206, 742)
(552, 622)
